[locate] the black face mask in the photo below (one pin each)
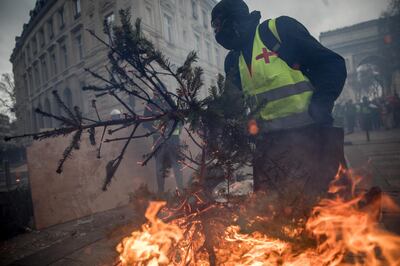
(229, 37)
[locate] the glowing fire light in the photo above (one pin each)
(153, 244)
(252, 127)
(344, 231)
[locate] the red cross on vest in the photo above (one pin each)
(265, 54)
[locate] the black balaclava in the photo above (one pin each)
(235, 22)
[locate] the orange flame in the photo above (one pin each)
(344, 231)
(152, 245)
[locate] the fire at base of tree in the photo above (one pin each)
(248, 231)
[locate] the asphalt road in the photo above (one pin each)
(378, 161)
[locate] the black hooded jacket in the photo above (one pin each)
(325, 69)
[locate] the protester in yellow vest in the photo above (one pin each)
(291, 83)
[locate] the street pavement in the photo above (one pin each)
(92, 240)
(378, 162)
(378, 158)
(89, 241)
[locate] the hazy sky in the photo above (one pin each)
(316, 15)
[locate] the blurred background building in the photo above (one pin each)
(371, 50)
(55, 48)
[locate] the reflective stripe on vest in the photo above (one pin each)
(365, 110)
(177, 131)
(281, 93)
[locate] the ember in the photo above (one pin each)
(340, 231)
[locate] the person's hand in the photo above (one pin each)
(321, 112)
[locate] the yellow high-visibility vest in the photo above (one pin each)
(283, 92)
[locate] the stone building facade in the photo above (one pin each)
(5, 128)
(55, 48)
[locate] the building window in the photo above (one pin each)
(47, 108)
(34, 115)
(184, 36)
(51, 28)
(149, 15)
(41, 38)
(24, 59)
(34, 45)
(197, 43)
(77, 8)
(168, 28)
(25, 83)
(36, 76)
(28, 122)
(64, 55)
(30, 80)
(81, 102)
(39, 117)
(109, 20)
(131, 101)
(57, 110)
(67, 97)
(79, 47)
(43, 63)
(194, 9)
(205, 19)
(209, 52)
(53, 59)
(26, 89)
(61, 17)
(28, 52)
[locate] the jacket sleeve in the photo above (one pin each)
(232, 69)
(325, 69)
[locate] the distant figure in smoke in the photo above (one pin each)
(290, 81)
(167, 157)
(394, 105)
(350, 116)
(376, 118)
(366, 117)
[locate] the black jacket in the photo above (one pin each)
(325, 69)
